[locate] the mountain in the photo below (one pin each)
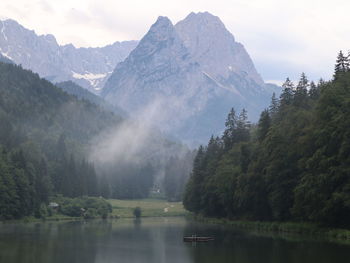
(41, 112)
(74, 89)
(4, 59)
(215, 48)
(89, 67)
(187, 77)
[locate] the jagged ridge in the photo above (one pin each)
(188, 76)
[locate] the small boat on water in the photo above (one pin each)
(198, 239)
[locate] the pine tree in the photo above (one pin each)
(230, 124)
(194, 187)
(341, 65)
(104, 187)
(314, 90)
(43, 183)
(264, 125)
(301, 91)
(243, 125)
(273, 108)
(287, 95)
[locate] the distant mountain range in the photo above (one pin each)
(89, 67)
(181, 78)
(187, 77)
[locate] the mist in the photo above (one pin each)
(139, 150)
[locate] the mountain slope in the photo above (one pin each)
(187, 77)
(81, 93)
(59, 130)
(5, 59)
(43, 112)
(45, 136)
(89, 67)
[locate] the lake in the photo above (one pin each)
(156, 240)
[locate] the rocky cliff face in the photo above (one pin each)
(185, 78)
(89, 67)
(215, 48)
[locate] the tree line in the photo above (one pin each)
(45, 139)
(293, 165)
(44, 134)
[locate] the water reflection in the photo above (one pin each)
(154, 240)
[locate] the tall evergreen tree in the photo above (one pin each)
(242, 132)
(230, 124)
(273, 108)
(287, 94)
(341, 65)
(301, 91)
(264, 125)
(314, 91)
(194, 187)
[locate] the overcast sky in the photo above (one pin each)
(283, 37)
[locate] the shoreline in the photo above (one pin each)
(67, 218)
(282, 229)
(298, 228)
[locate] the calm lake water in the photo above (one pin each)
(156, 240)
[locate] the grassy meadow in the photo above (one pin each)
(149, 208)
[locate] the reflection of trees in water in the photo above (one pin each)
(52, 242)
(77, 241)
(127, 241)
(167, 244)
(153, 240)
(240, 246)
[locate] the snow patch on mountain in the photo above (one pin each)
(232, 89)
(43, 55)
(94, 79)
(5, 54)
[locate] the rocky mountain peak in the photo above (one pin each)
(162, 21)
(204, 20)
(51, 39)
(161, 30)
(159, 55)
(89, 67)
(187, 77)
(160, 47)
(215, 48)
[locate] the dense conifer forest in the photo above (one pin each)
(293, 165)
(44, 136)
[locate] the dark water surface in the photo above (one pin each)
(156, 240)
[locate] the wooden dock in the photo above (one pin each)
(197, 239)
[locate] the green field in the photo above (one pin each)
(149, 208)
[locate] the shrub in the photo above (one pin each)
(137, 212)
(90, 213)
(89, 207)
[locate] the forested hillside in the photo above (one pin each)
(294, 165)
(53, 143)
(44, 136)
(81, 93)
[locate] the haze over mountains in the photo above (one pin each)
(188, 76)
(181, 78)
(89, 67)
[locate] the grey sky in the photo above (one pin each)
(283, 37)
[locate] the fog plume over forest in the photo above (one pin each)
(138, 151)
